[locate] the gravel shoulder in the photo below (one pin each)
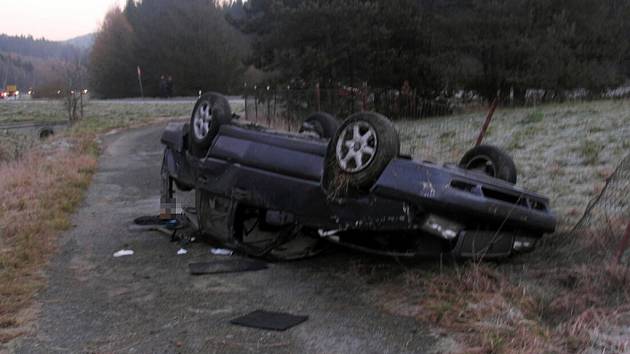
(149, 303)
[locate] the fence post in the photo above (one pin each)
(275, 104)
(364, 97)
(268, 107)
(624, 244)
(318, 97)
(486, 124)
(256, 103)
(245, 99)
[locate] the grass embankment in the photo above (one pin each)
(103, 112)
(42, 186)
(568, 295)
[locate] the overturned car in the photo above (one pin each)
(279, 195)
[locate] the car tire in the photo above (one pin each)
(490, 160)
(210, 112)
(362, 147)
(322, 124)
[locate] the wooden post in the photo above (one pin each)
(245, 99)
(268, 107)
(364, 97)
(486, 124)
(318, 97)
(623, 246)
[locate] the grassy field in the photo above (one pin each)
(562, 151)
(568, 295)
(114, 112)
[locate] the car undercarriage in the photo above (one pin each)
(281, 195)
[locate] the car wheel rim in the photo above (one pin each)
(482, 164)
(356, 147)
(202, 120)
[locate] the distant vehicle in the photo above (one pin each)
(11, 91)
(265, 192)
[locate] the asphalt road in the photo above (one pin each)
(148, 303)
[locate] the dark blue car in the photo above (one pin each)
(278, 195)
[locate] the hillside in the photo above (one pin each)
(37, 64)
(83, 42)
(37, 48)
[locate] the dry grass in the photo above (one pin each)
(38, 194)
(13, 146)
(41, 185)
(568, 295)
(95, 110)
(531, 311)
(481, 307)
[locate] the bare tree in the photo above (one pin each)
(74, 73)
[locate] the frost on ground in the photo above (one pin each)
(563, 151)
(566, 296)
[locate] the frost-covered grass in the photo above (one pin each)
(563, 151)
(94, 110)
(563, 297)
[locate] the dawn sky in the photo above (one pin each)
(53, 19)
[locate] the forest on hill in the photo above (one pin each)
(37, 64)
(439, 47)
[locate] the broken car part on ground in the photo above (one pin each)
(278, 195)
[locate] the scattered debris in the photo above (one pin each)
(275, 321)
(221, 252)
(147, 220)
(182, 251)
(226, 266)
(185, 236)
(171, 224)
(155, 223)
(123, 253)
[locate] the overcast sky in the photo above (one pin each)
(53, 19)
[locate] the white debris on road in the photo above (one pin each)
(181, 251)
(123, 253)
(221, 252)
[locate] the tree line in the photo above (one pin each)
(499, 47)
(490, 47)
(41, 48)
(189, 40)
(35, 64)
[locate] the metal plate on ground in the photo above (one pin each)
(275, 321)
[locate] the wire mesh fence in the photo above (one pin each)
(603, 225)
(288, 107)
